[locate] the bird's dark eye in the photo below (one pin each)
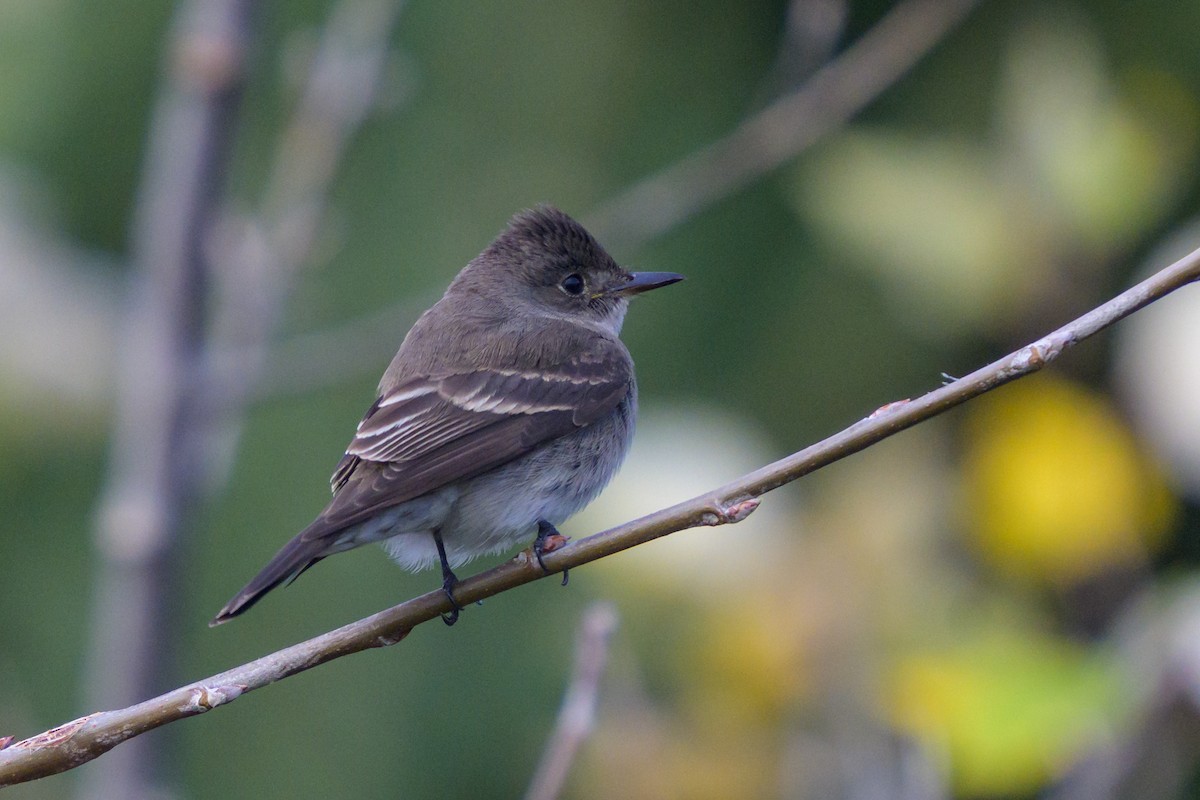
(572, 284)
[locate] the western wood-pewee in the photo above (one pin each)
(508, 407)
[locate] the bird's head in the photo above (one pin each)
(546, 263)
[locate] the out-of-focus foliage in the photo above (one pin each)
(1056, 487)
(1159, 375)
(998, 603)
(1011, 708)
(1078, 166)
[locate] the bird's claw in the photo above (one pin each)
(448, 589)
(449, 581)
(548, 534)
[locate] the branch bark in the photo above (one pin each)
(270, 248)
(577, 715)
(84, 739)
(174, 437)
(155, 455)
(773, 136)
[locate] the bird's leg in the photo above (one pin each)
(545, 531)
(449, 580)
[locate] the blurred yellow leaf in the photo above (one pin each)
(745, 667)
(638, 755)
(1056, 486)
(1010, 709)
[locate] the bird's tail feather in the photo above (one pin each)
(295, 557)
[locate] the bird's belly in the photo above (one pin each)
(502, 508)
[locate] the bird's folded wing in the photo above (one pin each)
(430, 432)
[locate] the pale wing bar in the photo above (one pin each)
(417, 419)
(428, 440)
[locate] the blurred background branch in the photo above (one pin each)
(778, 133)
(155, 460)
(1157, 638)
(261, 254)
(179, 419)
(577, 715)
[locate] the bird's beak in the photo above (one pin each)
(644, 282)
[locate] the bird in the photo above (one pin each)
(508, 407)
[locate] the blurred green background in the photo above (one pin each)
(1003, 602)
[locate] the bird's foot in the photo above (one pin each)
(449, 581)
(548, 540)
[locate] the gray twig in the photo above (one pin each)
(263, 254)
(175, 437)
(577, 715)
(155, 455)
(775, 135)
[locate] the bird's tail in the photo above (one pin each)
(296, 556)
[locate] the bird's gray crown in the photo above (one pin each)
(545, 262)
(546, 234)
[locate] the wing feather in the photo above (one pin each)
(433, 431)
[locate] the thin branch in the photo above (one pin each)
(577, 715)
(175, 439)
(775, 135)
(263, 258)
(654, 205)
(306, 362)
(811, 32)
(154, 456)
(86, 738)
(1153, 758)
